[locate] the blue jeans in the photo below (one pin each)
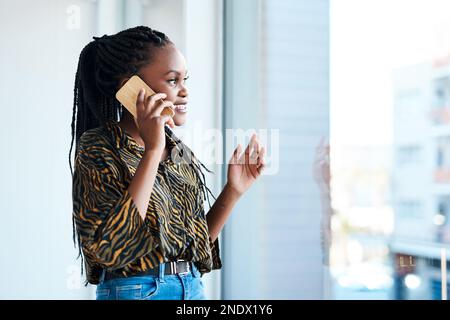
(163, 287)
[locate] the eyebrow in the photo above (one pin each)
(170, 71)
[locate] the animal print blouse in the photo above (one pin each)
(111, 233)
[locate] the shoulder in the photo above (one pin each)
(95, 144)
(93, 138)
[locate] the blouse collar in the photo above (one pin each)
(122, 139)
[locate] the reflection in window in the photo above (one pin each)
(410, 209)
(442, 169)
(441, 100)
(408, 155)
(422, 194)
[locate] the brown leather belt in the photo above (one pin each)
(170, 268)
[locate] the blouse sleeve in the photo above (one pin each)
(111, 231)
(215, 252)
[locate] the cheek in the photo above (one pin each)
(170, 96)
(171, 93)
(167, 89)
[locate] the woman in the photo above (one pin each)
(138, 190)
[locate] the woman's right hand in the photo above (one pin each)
(150, 122)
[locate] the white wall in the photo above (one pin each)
(40, 44)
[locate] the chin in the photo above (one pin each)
(179, 119)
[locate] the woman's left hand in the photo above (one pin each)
(243, 170)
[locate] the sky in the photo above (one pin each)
(368, 40)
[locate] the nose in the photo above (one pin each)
(184, 92)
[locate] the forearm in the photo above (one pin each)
(221, 210)
(141, 185)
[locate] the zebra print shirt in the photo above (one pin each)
(110, 231)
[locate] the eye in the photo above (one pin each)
(173, 82)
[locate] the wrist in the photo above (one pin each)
(233, 192)
(152, 154)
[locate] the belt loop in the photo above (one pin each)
(161, 272)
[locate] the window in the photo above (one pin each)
(408, 155)
(410, 209)
(388, 89)
(277, 80)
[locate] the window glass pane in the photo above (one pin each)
(389, 105)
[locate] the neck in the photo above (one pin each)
(128, 124)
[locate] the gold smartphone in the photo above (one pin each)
(127, 95)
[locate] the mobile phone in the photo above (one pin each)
(127, 95)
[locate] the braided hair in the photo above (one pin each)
(102, 64)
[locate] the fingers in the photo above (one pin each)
(257, 161)
(153, 102)
(167, 120)
(140, 102)
(235, 156)
(256, 152)
(261, 160)
(153, 106)
(249, 149)
(159, 107)
(144, 106)
(262, 163)
(253, 156)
